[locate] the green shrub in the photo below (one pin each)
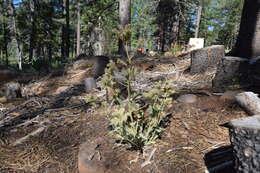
(137, 117)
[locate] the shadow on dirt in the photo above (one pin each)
(220, 160)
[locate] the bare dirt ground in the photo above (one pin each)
(193, 133)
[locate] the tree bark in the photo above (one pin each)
(5, 43)
(175, 30)
(67, 29)
(199, 12)
(62, 41)
(65, 36)
(32, 34)
(15, 34)
(248, 39)
(124, 20)
(78, 28)
(161, 39)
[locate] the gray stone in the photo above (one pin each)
(256, 162)
(229, 71)
(187, 98)
(89, 157)
(248, 152)
(257, 147)
(90, 84)
(244, 132)
(249, 143)
(230, 95)
(252, 122)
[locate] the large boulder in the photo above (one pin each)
(231, 70)
(206, 59)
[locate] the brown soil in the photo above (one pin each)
(193, 131)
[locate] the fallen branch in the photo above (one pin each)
(15, 108)
(66, 108)
(25, 138)
(29, 122)
(9, 122)
(148, 161)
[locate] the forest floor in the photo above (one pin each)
(191, 143)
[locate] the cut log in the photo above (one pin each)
(250, 101)
(207, 58)
(245, 140)
(230, 70)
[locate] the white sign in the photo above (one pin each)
(196, 43)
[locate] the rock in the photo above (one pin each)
(230, 95)
(249, 101)
(88, 161)
(207, 58)
(96, 156)
(230, 70)
(3, 99)
(254, 71)
(187, 98)
(13, 90)
(90, 84)
(119, 77)
(81, 64)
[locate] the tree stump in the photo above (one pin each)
(245, 139)
(229, 71)
(207, 58)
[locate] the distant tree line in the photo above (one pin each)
(41, 33)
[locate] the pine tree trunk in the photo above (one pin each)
(32, 34)
(175, 26)
(78, 28)
(248, 39)
(15, 34)
(199, 12)
(62, 41)
(161, 39)
(5, 43)
(124, 20)
(67, 29)
(175, 30)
